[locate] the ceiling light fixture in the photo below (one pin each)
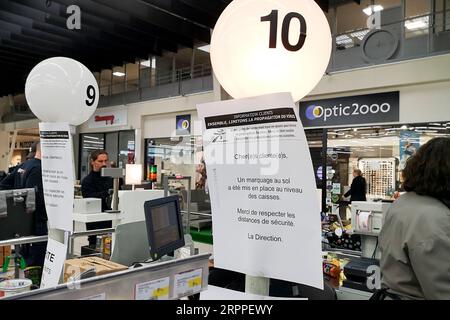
(149, 63)
(119, 74)
(417, 23)
(205, 48)
(372, 9)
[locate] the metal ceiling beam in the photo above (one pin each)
(159, 18)
(118, 22)
(88, 35)
(184, 11)
(214, 7)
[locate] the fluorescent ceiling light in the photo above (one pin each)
(359, 34)
(119, 74)
(343, 40)
(371, 9)
(149, 63)
(205, 48)
(417, 23)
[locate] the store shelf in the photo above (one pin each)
(122, 285)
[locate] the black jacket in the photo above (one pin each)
(29, 175)
(357, 190)
(96, 186)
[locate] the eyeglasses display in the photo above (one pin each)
(380, 175)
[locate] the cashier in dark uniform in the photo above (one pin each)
(96, 186)
(13, 178)
(29, 175)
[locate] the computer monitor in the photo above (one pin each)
(164, 226)
(16, 220)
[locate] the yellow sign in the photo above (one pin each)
(195, 282)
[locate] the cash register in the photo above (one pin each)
(367, 221)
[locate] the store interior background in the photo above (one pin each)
(154, 91)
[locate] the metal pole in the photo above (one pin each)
(166, 185)
(16, 259)
(23, 240)
(188, 229)
(116, 195)
(125, 79)
(431, 25)
(192, 62)
(111, 83)
(12, 147)
(324, 169)
(334, 30)
(139, 80)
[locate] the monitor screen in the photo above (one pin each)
(164, 226)
(16, 217)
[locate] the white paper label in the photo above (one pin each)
(100, 296)
(153, 290)
(188, 283)
(54, 263)
(266, 217)
(57, 174)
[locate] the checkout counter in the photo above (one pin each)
(358, 267)
(166, 268)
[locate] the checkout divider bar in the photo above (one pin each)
(78, 234)
(97, 232)
(197, 213)
(23, 240)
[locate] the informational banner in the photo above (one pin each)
(365, 109)
(266, 217)
(57, 174)
(107, 119)
(54, 263)
(409, 144)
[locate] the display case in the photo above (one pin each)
(380, 175)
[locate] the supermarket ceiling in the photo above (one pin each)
(111, 32)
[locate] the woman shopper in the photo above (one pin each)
(415, 239)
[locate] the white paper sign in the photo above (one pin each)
(107, 119)
(153, 290)
(57, 174)
(189, 282)
(54, 263)
(266, 217)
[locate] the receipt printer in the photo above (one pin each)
(87, 205)
(368, 217)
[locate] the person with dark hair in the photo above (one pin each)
(29, 175)
(358, 188)
(96, 186)
(415, 239)
(201, 183)
(7, 183)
